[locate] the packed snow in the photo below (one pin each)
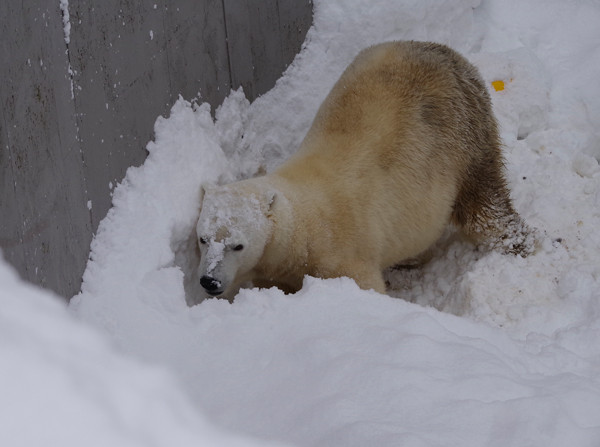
(474, 348)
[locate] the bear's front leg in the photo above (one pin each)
(373, 282)
(366, 278)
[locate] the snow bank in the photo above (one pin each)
(333, 365)
(63, 384)
(479, 349)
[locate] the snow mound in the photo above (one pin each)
(334, 365)
(62, 383)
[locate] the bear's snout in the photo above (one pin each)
(211, 285)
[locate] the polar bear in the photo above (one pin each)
(404, 144)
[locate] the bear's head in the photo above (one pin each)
(233, 229)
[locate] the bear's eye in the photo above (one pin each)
(238, 247)
(202, 240)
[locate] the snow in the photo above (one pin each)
(63, 383)
(64, 9)
(474, 348)
(66, 18)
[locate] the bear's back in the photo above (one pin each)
(402, 100)
(392, 146)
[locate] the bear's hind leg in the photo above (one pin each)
(484, 212)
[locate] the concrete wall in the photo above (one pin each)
(75, 113)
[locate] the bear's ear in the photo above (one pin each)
(204, 187)
(269, 199)
(201, 194)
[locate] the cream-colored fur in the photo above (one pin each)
(404, 144)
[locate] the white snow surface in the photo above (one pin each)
(63, 384)
(474, 348)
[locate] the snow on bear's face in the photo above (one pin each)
(233, 229)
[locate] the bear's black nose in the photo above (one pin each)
(211, 285)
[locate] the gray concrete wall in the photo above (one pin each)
(74, 116)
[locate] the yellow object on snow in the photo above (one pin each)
(498, 85)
